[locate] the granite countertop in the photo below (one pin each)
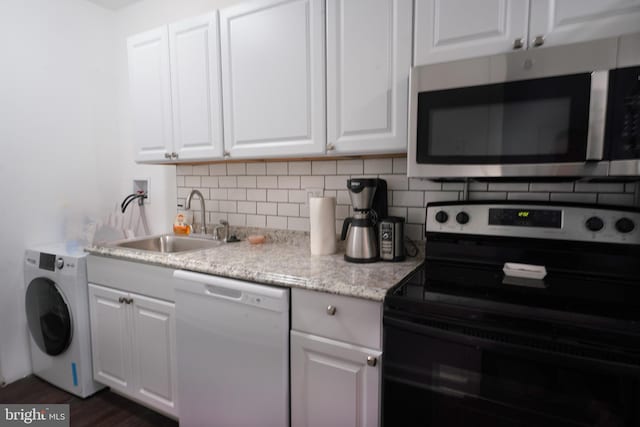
(283, 260)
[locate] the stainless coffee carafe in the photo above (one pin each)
(359, 230)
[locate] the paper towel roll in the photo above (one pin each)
(322, 218)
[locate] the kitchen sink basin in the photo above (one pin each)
(168, 243)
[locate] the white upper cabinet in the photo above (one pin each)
(446, 30)
(150, 92)
(555, 22)
(195, 86)
(368, 62)
(273, 74)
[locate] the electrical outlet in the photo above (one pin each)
(142, 185)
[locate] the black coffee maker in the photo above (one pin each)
(369, 201)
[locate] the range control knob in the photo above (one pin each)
(60, 263)
(462, 217)
(594, 224)
(442, 217)
(625, 225)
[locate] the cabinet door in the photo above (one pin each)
(150, 92)
(447, 30)
(154, 353)
(368, 62)
(273, 78)
(195, 85)
(570, 21)
(110, 337)
(332, 384)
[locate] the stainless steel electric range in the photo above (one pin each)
(524, 314)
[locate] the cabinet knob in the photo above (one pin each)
(331, 147)
(129, 300)
(167, 155)
(122, 300)
(372, 361)
(518, 44)
(538, 41)
(174, 155)
(331, 310)
(227, 153)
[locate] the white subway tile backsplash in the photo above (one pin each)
(274, 194)
(228, 206)
(337, 182)
(236, 168)
(277, 195)
(288, 182)
(621, 199)
(257, 194)
(237, 220)
(277, 168)
(378, 166)
(218, 169)
(528, 196)
(247, 207)
(277, 222)
(267, 208)
(408, 198)
(288, 209)
(555, 187)
(424, 184)
(509, 186)
(574, 197)
(298, 196)
(599, 187)
(299, 168)
(247, 182)
(209, 181)
(350, 167)
(256, 221)
(256, 169)
(200, 170)
(267, 182)
(298, 224)
(227, 182)
(192, 181)
(400, 166)
(237, 194)
(323, 167)
(311, 182)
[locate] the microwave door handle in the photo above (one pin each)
(597, 115)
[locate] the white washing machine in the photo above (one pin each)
(57, 308)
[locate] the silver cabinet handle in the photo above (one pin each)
(331, 147)
(331, 310)
(538, 41)
(518, 44)
(167, 155)
(372, 361)
(227, 153)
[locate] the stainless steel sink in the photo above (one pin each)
(168, 243)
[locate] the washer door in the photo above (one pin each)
(48, 316)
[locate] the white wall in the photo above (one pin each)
(56, 120)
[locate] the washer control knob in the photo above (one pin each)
(462, 217)
(60, 263)
(442, 217)
(625, 225)
(594, 224)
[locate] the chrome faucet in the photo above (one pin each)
(187, 205)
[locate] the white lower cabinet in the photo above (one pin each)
(335, 360)
(333, 383)
(134, 345)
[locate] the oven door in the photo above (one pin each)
(441, 374)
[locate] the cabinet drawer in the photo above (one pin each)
(354, 320)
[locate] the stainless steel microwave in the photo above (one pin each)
(559, 111)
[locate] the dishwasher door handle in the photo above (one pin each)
(219, 291)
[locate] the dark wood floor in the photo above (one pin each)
(102, 409)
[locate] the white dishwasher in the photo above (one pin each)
(233, 352)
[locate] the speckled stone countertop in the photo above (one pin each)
(283, 260)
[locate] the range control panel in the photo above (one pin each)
(552, 221)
